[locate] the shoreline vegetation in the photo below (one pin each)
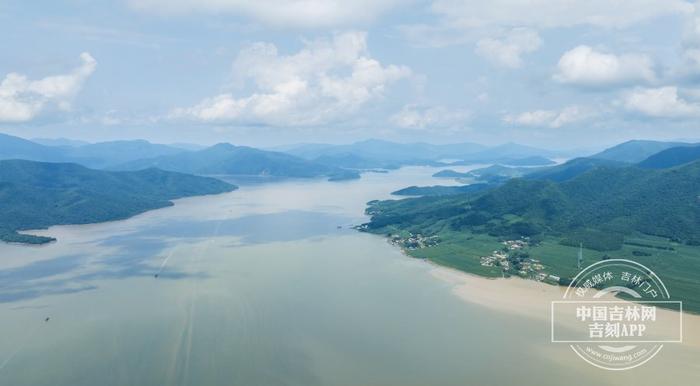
(535, 229)
(529, 298)
(37, 195)
(549, 263)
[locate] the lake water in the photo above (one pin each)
(260, 287)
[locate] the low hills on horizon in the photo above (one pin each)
(632, 153)
(219, 159)
(360, 155)
(323, 158)
(375, 153)
(227, 159)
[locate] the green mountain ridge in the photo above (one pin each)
(647, 215)
(609, 201)
(36, 195)
(569, 169)
(635, 150)
(440, 190)
(672, 157)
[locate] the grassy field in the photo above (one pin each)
(462, 251)
(676, 264)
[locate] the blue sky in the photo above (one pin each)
(547, 73)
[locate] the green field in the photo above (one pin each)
(611, 210)
(674, 263)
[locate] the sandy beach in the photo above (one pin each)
(530, 298)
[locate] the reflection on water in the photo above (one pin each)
(131, 254)
(252, 229)
(261, 287)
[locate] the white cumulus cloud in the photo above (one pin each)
(555, 13)
(689, 65)
(294, 13)
(430, 117)
(585, 66)
(508, 50)
(550, 118)
(326, 80)
(22, 99)
(662, 102)
(461, 21)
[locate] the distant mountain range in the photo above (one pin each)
(375, 153)
(626, 154)
(97, 155)
(307, 160)
(41, 184)
(59, 142)
(374, 149)
(105, 154)
(636, 150)
(615, 156)
(139, 154)
(558, 173)
(318, 159)
(12, 147)
(652, 154)
(37, 195)
(226, 159)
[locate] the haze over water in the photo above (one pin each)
(260, 287)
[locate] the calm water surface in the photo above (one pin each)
(261, 287)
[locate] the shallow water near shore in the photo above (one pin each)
(269, 285)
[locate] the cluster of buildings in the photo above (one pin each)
(516, 244)
(530, 266)
(512, 261)
(496, 259)
(416, 241)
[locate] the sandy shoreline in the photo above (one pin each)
(527, 298)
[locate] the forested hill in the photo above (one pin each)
(597, 207)
(227, 159)
(672, 157)
(36, 195)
